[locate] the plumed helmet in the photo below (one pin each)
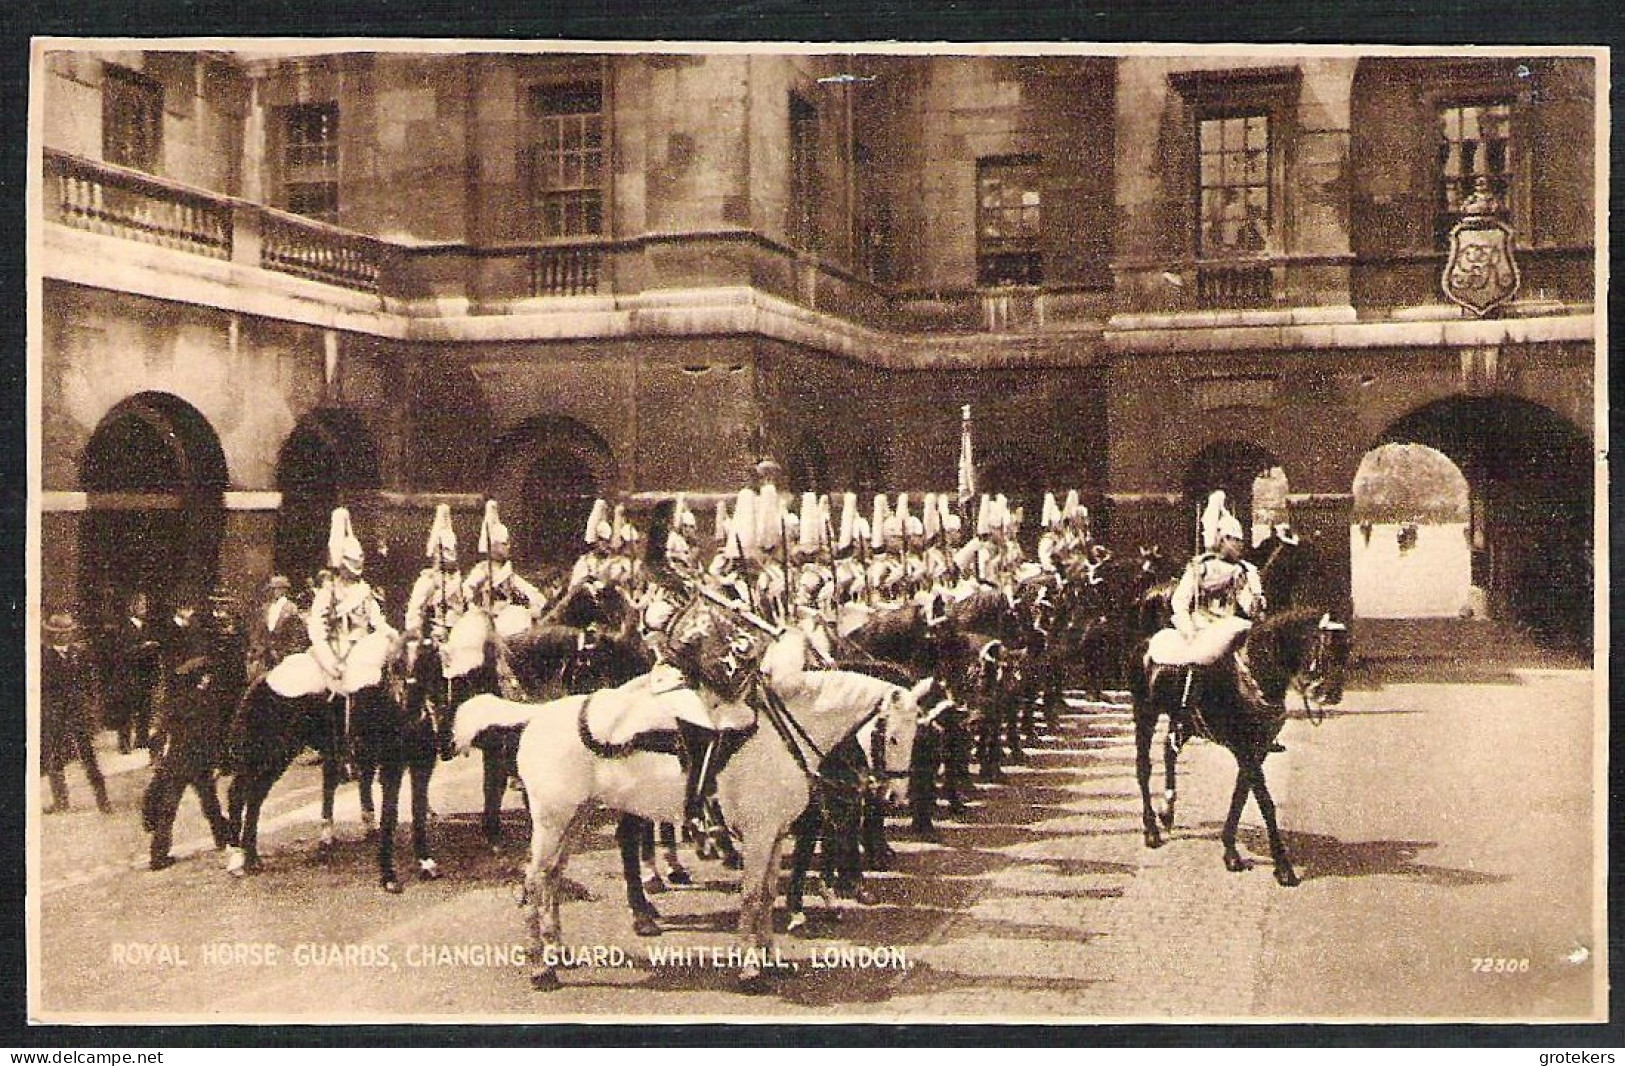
(442, 537)
(1051, 515)
(930, 518)
(849, 517)
(344, 551)
(1213, 516)
(719, 531)
(492, 531)
(596, 522)
(743, 531)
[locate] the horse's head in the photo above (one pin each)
(901, 712)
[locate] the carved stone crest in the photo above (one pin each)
(1481, 272)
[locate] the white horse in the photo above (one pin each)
(577, 753)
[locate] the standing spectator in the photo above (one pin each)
(276, 630)
(204, 677)
(137, 661)
(68, 694)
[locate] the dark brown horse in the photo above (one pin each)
(1299, 649)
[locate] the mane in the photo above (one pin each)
(845, 685)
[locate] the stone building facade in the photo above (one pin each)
(272, 283)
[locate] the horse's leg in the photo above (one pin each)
(805, 831)
(1145, 728)
(1233, 860)
(494, 766)
(676, 874)
(332, 771)
(646, 854)
(1170, 781)
(758, 890)
(389, 777)
(548, 846)
(421, 771)
(364, 778)
(629, 834)
(1285, 875)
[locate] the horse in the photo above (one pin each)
(587, 640)
(569, 769)
(1300, 649)
(389, 728)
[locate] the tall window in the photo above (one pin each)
(1008, 221)
(132, 119)
(1234, 186)
(1475, 141)
(310, 160)
(803, 221)
(567, 176)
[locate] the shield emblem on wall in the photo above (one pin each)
(1480, 273)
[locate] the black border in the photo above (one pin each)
(1383, 22)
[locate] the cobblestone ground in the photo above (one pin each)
(1436, 825)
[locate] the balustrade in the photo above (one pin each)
(126, 203)
(318, 253)
(567, 270)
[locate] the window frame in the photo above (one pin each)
(322, 173)
(584, 213)
(801, 229)
(1515, 197)
(1004, 251)
(1273, 183)
(1209, 95)
(131, 94)
(1479, 81)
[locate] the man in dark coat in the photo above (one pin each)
(137, 668)
(69, 687)
(204, 679)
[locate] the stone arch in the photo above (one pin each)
(1238, 467)
(330, 459)
(545, 473)
(155, 475)
(1532, 498)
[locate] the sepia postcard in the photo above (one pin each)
(602, 532)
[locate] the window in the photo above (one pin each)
(1007, 221)
(803, 221)
(1234, 186)
(567, 174)
(132, 119)
(310, 160)
(1475, 142)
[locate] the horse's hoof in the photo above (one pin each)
(654, 885)
(369, 824)
(797, 920)
(866, 895)
(575, 891)
(646, 924)
(1153, 839)
(752, 981)
(544, 981)
(429, 870)
(1167, 819)
(678, 876)
(236, 861)
(1287, 877)
(1236, 864)
(392, 885)
(733, 862)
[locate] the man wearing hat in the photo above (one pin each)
(1220, 584)
(202, 685)
(345, 610)
(436, 601)
(137, 666)
(493, 584)
(68, 692)
(276, 629)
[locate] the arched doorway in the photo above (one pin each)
(1410, 553)
(1254, 483)
(155, 475)
(545, 474)
(327, 459)
(1531, 488)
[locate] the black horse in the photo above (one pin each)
(1298, 649)
(387, 729)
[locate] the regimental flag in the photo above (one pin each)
(967, 458)
(1481, 273)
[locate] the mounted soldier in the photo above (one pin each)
(1217, 600)
(493, 586)
(436, 603)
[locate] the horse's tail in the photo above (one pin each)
(479, 713)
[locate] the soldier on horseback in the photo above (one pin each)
(437, 600)
(493, 584)
(345, 611)
(1220, 588)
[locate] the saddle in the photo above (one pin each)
(1170, 647)
(642, 715)
(301, 675)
